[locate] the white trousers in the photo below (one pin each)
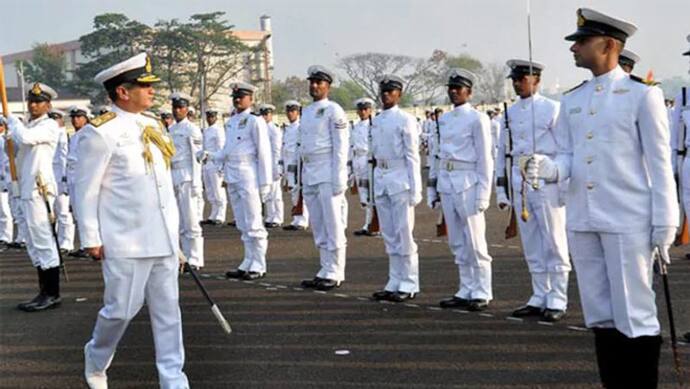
(327, 216)
(545, 244)
(65, 222)
(6, 220)
(40, 242)
(215, 195)
(614, 275)
(274, 204)
(363, 193)
(303, 219)
(246, 207)
(467, 241)
(18, 217)
(191, 238)
(129, 282)
(396, 218)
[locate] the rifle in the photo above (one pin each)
(683, 236)
(373, 226)
(511, 229)
(441, 227)
(298, 209)
(9, 144)
(43, 191)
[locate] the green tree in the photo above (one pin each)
(204, 49)
(346, 93)
(115, 38)
(292, 88)
(47, 65)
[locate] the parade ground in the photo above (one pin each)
(287, 337)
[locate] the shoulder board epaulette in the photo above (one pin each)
(643, 81)
(102, 119)
(575, 87)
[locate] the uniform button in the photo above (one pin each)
(599, 88)
(593, 112)
(590, 186)
(590, 135)
(589, 160)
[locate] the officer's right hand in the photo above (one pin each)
(95, 252)
(502, 201)
(264, 191)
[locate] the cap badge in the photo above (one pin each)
(148, 65)
(580, 19)
(36, 90)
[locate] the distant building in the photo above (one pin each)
(260, 71)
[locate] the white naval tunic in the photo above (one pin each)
(359, 146)
(186, 175)
(324, 146)
(214, 140)
(464, 173)
(274, 201)
(398, 189)
(543, 235)
(36, 144)
(616, 153)
(290, 140)
(6, 219)
(65, 222)
(247, 161)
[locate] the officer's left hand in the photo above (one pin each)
(482, 205)
(662, 238)
(196, 191)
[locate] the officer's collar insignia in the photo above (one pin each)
(320, 112)
(36, 90)
(243, 122)
(575, 110)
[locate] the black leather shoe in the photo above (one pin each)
(381, 295)
(478, 305)
(215, 223)
(372, 233)
(64, 251)
(46, 302)
(311, 283)
(24, 306)
(399, 297)
(205, 222)
(290, 227)
(687, 256)
(232, 223)
(271, 225)
(361, 232)
(326, 284)
(16, 245)
(78, 254)
(687, 337)
(454, 302)
(527, 310)
(553, 315)
(253, 275)
(237, 273)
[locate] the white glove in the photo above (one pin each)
(662, 238)
(502, 201)
(415, 199)
(197, 190)
(202, 156)
(264, 191)
(541, 166)
(432, 199)
(482, 205)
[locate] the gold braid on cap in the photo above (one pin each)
(153, 135)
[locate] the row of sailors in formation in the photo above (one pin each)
(604, 150)
(544, 240)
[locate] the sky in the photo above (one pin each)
(309, 32)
